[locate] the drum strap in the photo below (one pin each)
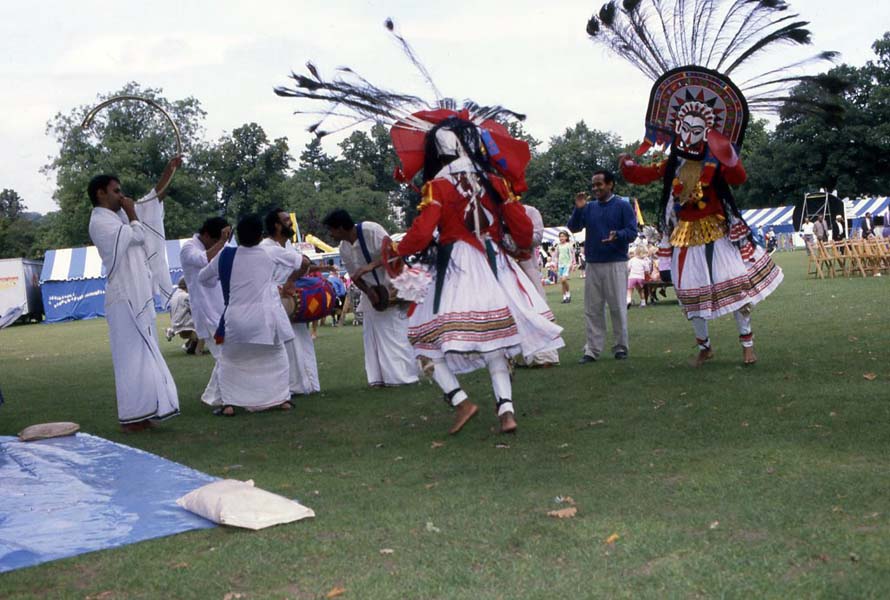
(226, 260)
(365, 253)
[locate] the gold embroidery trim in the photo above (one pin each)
(696, 233)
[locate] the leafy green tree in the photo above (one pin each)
(131, 140)
(565, 168)
(247, 170)
(17, 233)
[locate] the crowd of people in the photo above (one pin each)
(461, 291)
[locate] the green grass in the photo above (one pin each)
(765, 482)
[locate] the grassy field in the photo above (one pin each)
(764, 482)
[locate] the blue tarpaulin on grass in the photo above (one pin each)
(66, 496)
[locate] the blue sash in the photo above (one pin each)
(226, 260)
(367, 255)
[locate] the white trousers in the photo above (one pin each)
(389, 358)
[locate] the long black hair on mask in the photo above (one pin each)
(468, 136)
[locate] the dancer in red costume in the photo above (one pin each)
(474, 306)
(700, 115)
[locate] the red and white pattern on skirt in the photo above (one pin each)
(730, 283)
(481, 313)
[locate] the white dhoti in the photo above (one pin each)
(144, 386)
(389, 359)
(303, 367)
(481, 313)
(213, 393)
(712, 280)
(254, 376)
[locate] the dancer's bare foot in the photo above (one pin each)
(508, 423)
(703, 356)
(463, 412)
(748, 356)
(286, 405)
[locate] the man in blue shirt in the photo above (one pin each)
(611, 226)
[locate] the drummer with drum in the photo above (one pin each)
(389, 360)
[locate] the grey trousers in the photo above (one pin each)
(605, 284)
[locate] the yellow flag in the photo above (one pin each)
(640, 222)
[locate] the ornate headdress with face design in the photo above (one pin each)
(472, 131)
(694, 106)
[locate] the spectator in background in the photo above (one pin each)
(809, 238)
(181, 323)
(820, 232)
(564, 257)
(868, 227)
(838, 229)
(637, 269)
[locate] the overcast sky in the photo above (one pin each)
(533, 57)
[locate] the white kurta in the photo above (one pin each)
(253, 367)
(144, 386)
(300, 350)
(207, 306)
(150, 211)
(389, 359)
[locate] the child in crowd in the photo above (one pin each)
(637, 269)
(564, 257)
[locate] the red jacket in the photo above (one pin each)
(443, 208)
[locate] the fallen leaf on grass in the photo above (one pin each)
(335, 591)
(233, 596)
(502, 446)
(853, 338)
(102, 595)
(563, 513)
(612, 539)
(597, 422)
(870, 376)
(180, 565)
(386, 551)
(744, 423)
(437, 444)
(430, 486)
(714, 525)
(432, 528)
(565, 500)
(854, 557)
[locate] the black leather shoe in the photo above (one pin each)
(586, 359)
(621, 355)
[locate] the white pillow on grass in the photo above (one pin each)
(239, 504)
(45, 431)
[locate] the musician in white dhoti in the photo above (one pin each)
(144, 387)
(389, 359)
(206, 302)
(287, 259)
(253, 328)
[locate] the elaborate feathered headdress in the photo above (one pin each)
(691, 47)
(352, 98)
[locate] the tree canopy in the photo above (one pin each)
(246, 171)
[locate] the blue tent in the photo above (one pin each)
(72, 282)
(856, 210)
(779, 218)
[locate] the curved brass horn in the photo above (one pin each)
(88, 120)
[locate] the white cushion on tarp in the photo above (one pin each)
(43, 431)
(240, 504)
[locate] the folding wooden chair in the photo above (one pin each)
(854, 253)
(815, 261)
